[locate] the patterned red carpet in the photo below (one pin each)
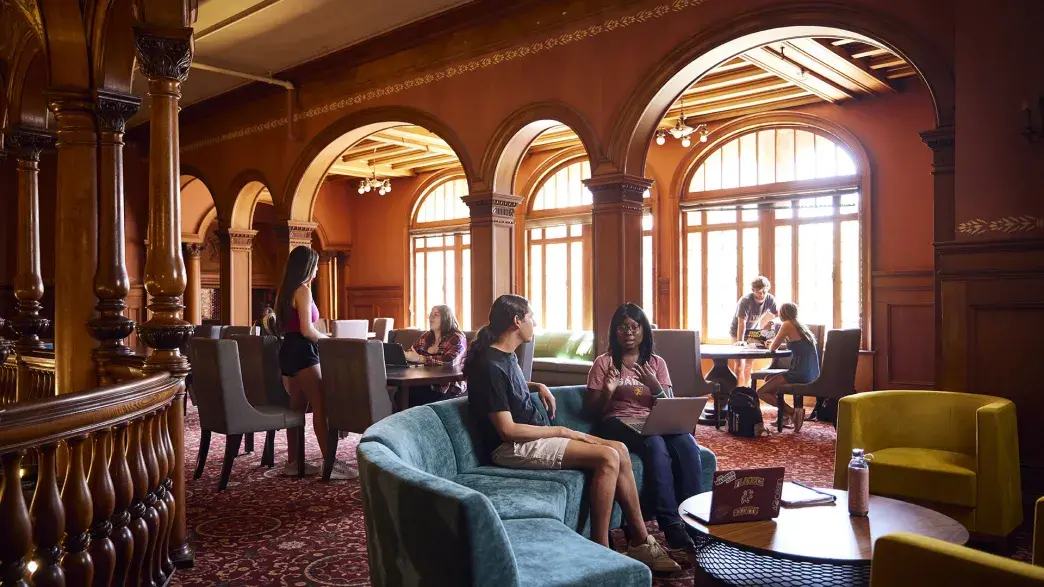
(270, 530)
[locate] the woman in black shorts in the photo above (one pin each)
(296, 316)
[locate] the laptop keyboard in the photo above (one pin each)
(637, 426)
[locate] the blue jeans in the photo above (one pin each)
(672, 467)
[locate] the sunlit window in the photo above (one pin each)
(791, 213)
(441, 253)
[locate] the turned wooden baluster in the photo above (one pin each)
(48, 517)
(159, 489)
(138, 525)
(16, 539)
(168, 493)
(103, 501)
(123, 493)
(76, 496)
(152, 514)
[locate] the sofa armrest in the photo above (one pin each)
(423, 529)
(1038, 534)
(998, 508)
(909, 560)
(855, 429)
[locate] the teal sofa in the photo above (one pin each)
(439, 513)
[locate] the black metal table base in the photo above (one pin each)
(742, 568)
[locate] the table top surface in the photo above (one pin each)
(424, 374)
(826, 533)
(731, 351)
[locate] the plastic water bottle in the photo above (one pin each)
(858, 484)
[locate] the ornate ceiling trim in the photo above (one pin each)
(484, 62)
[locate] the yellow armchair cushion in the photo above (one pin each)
(908, 560)
(939, 476)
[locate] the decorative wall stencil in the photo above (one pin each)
(1004, 224)
(483, 62)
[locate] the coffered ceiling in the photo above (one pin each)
(264, 37)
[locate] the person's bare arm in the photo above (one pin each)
(785, 333)
(510, 431)
(303, 301)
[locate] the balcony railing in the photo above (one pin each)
(35, 368)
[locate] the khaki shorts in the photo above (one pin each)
(542, 453)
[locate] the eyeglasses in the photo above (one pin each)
(623, 328)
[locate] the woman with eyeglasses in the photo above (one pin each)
(624, 383)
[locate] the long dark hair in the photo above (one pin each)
(300, 266)
(645, 348)
(502, 316)
(449, 320)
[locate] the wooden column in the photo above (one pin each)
(111, 283)
(26, 144)
(616, 247)
(237, 247)
(492, 250)
(290, 234)
(941, 141)
(164, 56)
(326, 278)
(194, 284)
(76, 239)
(343, 270)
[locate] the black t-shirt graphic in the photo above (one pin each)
(496, 384)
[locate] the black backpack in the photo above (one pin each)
(825, 410)
(744, 412)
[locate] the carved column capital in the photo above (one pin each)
(619, 189)
(489, 207)
(26, 142)
(295, 232)
(194, 250)
(164, 53)
(114, 109)
(236, 239)
(327, 256)
(942, 143)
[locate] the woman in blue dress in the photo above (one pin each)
(804, 362)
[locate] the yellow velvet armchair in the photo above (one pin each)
(909, 560)
(956, 453)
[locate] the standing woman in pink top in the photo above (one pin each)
(624, 383)
(296, 315)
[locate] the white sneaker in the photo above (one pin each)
(290, 469)
(343, 472)
(654, 556)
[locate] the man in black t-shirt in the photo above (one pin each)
(752, 312)
(516, 436)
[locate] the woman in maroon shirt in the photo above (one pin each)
(442, 344)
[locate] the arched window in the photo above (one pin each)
(559, 249)
(440, 242)
(779, 202)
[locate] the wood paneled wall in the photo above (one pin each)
(992, 317)
(903, 329)
(367, 303)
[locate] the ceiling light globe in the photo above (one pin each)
(660, 139)
(362, 190)
(703, 138)
(686, 142)
(367, 187)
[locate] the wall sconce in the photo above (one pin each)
(1033, 133)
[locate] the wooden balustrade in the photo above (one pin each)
(36, 368)
(110, 522)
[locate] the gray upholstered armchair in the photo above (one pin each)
(381, 328)
(223, 406)
(263, 382)
(680, 349)
(355, 389)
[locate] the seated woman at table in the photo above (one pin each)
(442, 344)
(625, 382)
(804, 362)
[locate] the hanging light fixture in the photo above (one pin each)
(372, 183)
(682, 132)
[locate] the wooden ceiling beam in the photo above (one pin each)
(769, 84)
(747, 101)
(754, 109)
(411, 159)
(358, 169)
(834, 63)
(557, 146)
(418, 145)
(771, 61)
(436, 167)
(870, 51)
(400, 132)
(886, 61)
(716, 81)
(373, 150)
(430, 159)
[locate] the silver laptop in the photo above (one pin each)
(669, 415)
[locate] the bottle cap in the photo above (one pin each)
(857, 452)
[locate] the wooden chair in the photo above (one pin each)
(223, 406)
(355, 389)
(837, 376)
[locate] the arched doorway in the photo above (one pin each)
(199, 224)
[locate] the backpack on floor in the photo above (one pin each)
(825, 410)
(744, 413)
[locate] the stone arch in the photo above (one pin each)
(512, 139)
(629, 143)
(248, 189)
(310, 169)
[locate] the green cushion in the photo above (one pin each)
(564, 345)
(516, 498)
(550, 555)
(926, 474)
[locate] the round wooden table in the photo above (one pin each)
(816, 545)
(721, 374)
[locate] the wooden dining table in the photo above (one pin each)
(403, 378)
(721, 374)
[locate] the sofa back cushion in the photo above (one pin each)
(569, 408)
(463, 433)
(564, 345)
(417, 437)
(423, 529)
